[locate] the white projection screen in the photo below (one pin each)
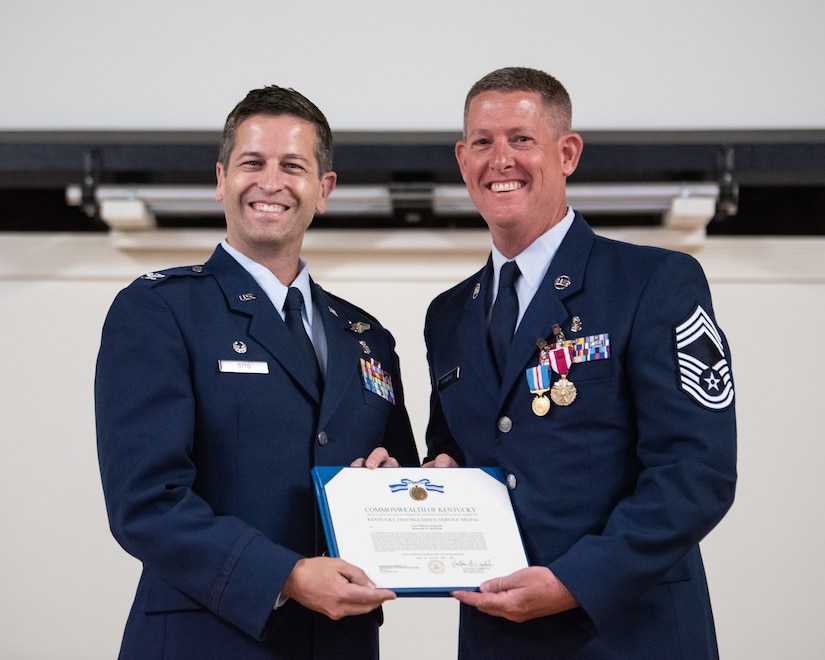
(375, 65)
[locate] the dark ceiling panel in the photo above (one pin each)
(779, 174)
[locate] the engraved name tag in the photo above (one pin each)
(242, 367)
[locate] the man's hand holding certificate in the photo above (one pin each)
(419, 531)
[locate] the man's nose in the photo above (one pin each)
(270, 178)
(502, 156)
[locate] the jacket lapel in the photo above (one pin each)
(470, 335)
(343, 352)
(244, 296)
(564, 277)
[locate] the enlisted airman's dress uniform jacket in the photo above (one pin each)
(207, 431)
(614, 491)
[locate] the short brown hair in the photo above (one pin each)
(275, 101)
(523, 79)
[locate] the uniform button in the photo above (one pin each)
(511, 481)
(197, 269)
(505, 424)
(322, 439)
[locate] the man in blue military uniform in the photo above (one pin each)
(594, 374)
(210, 417)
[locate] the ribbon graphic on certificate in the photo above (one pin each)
(417, 489)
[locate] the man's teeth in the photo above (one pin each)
(506, 187)
(268, 208)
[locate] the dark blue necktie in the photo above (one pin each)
(505, 313)
(292, 315)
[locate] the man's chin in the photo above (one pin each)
(502, 220)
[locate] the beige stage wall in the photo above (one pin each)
(66, 586)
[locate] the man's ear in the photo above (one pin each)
(328, 182)
(219, 178)
(572, 146)
(460, 156)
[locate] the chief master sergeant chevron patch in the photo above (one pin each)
(703, 367)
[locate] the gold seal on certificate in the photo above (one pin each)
(418, 493)
(421, 531)
(436, 566)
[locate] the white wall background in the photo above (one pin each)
(384, 64)
(65, 586)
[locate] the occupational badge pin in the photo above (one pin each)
(575, 324)
(359, 326)
(239, 347)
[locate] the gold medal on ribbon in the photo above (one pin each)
(541, 404)
(538, 378)
(563, 391)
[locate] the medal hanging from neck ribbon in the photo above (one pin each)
(538, 378)
(563, 391)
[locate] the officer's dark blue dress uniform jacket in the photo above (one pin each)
(206, 469)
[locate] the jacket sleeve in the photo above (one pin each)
(146, 419)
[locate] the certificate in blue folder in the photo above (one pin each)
(421, 531)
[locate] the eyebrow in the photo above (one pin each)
(298, 157)
(521, 128)
(259, 155)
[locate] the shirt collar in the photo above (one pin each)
(275, 291)
(534, 260)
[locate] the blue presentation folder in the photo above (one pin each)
(323, 475)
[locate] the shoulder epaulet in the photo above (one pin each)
(180, 271)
